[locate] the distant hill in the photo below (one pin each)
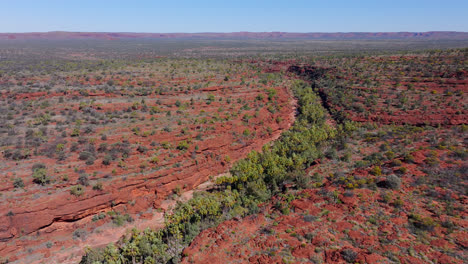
(62, 35)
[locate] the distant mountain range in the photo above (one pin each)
(62, 35)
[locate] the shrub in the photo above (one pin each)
(423, 223)
(77, 190)
(386, 196)
(85, 155)
(374, 158)
(346, 157)
(390, 154)
(90, 160)
(40, 176)
(409, 158)
(432, 161)
(177, 190)
(398, 202)
(103, 147)
(396, 163)
(361, 164)
(331, 154)
(59, 147)
(349, 255)
(142, 149)
(74, 147)
(97, 186)
(210, 99)
(99, 216)
(166, 145)
(83, 179)
(18, 183)
(79, 234)
(75, 132)
(183, 145)
(154, 160)
(271, 93)
(377, 171)
(402, 170)
(460, 153)
(119, 219)
(393, 181)
(309, 236)
(88, 130)
(107, 160)
(61, 156)
(310, 218)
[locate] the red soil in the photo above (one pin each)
(352, 215)
(37, 223)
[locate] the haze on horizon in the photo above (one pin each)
(217, 16)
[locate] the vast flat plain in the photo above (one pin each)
(100, 136)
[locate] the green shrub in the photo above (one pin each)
(423, 223)
(77, 190)
(154, 160)
(119, 219)
(99, 216)
(40, 176)
(177, 190)
(396, 163)
(390, 155)
(18, 183)
(409, 158)
(432, 161)
(75, 132)
(97, 186)
(377, 171)
(183, 145)
(84, 155)
(402, 170)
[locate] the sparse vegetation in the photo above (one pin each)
(374, 161)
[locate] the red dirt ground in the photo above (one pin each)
(38, 222)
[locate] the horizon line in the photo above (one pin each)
(242, 31)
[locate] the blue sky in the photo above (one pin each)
(232, 16)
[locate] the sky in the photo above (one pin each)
(233, 16)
